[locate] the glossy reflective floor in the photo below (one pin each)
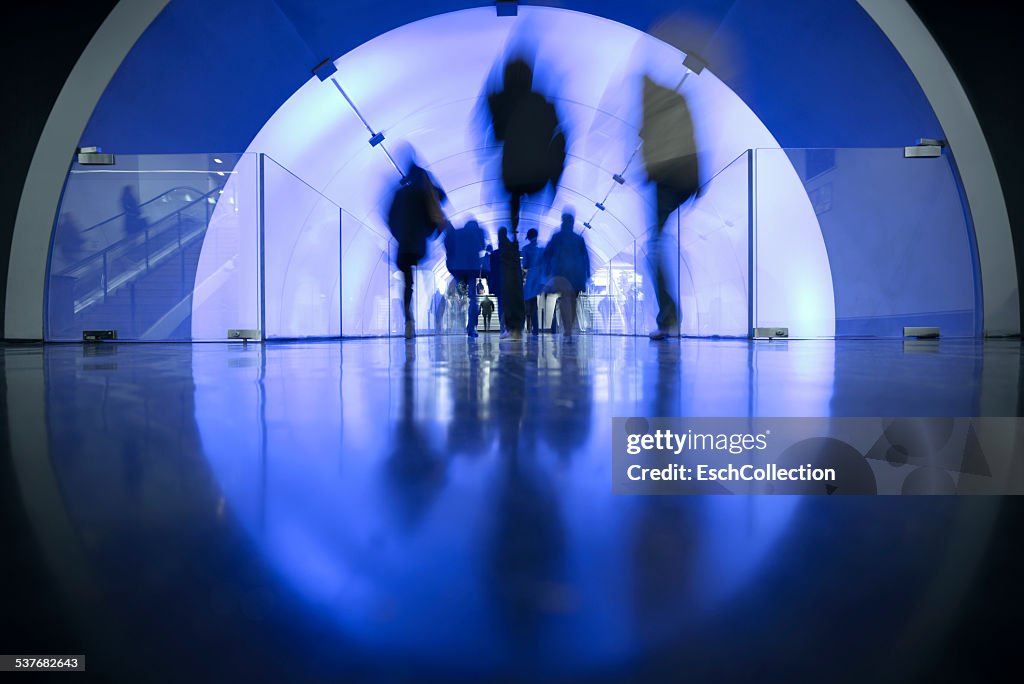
(441, 510)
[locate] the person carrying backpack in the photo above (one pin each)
(533, 142)
(414, 217)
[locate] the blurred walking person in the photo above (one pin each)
(670, 158)
(487, 310)
(466, 263)
(415, 216)
(534, 284)
(527, 125)
(511, 285)
(439, 305)
(567, 264)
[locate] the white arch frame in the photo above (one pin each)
(40, 198)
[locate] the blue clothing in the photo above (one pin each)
(532, 255)
(566, 256)
(464, 248)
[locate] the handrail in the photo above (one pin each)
(149, 201)
(102, 254)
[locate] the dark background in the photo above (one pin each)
(41, 44)
(42, 41)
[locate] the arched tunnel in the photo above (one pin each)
(811, 215)
(280, 485)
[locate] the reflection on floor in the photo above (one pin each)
(441, 509)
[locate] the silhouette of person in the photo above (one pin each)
(527, 125)
(604, 309)
(414, 216)
(514, 314)
(439, 305)
(487, 309)
(70, 240)
(670, 158)
(464, 251)
(534, 284)
(567, 263)
(133, 221)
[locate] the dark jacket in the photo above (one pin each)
(527, 123)
(415, 212)
(566, 256)
(463, 248)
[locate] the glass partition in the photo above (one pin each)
(599, 302)
(824, 242)
(702, 253)
(875, 242)
(714, 255)
(366, 283)
(302, 262)
(624, 293)
(129, 238)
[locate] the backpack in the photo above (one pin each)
(534, 152)
(415, 213)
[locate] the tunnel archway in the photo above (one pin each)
(422, 84)
(771, 84)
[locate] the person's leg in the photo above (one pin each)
(531, 313)
(474, 309)
(668, 200)
(405, 266)
(501, 311)
(668, 309)
(564, 305)
(517, 200)
(569, 313)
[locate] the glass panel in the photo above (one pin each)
(227, 284)
(428, 289)
(625, 297)
(864, 237)
(366, 288)
(302, 266)
(714, 255)
(597, 305)
(127, 245)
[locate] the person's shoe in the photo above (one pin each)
(410, 330)
(664, 333)
(505, 334)
(517, 335)
(473, 333)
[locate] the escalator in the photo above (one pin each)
(133, 268)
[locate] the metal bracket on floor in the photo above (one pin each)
(243, 334)
(921, 332)
(777, 332)
(99, 335)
